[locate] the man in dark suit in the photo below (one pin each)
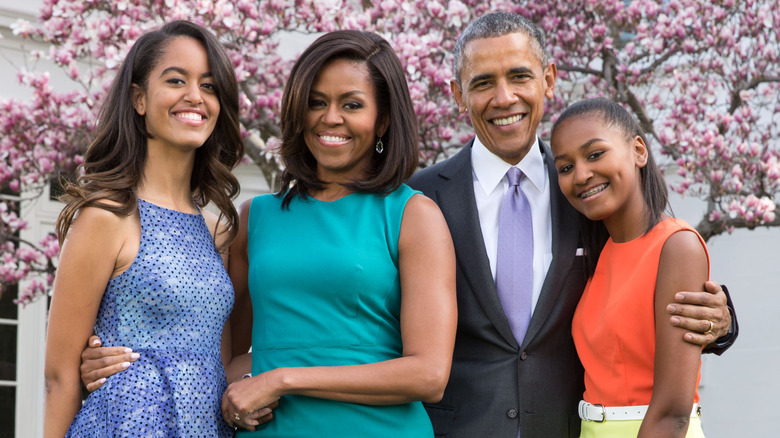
(501, 386)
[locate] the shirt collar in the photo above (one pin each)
(489, 169)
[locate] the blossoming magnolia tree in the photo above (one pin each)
(702, 76)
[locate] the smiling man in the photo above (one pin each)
(515, 371)
(502, 84)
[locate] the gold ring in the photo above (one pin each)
(236, 416)
(712, 325)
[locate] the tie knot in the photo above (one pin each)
(514, 174)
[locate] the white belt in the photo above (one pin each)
(601, 413)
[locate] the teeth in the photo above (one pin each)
(333, 139)
(507, 120)
(191, 116)
(593, 191)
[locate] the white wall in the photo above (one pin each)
(737, 388)
(13, 49)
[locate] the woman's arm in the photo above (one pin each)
(683, 266)
(225, 351)
(218, 231)
(428, 323)
(238, 269)
(92, 253)
(240, 366)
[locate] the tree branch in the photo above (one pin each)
(254, 147)
(641, 113)
(575, 69)
(736, 99)
(657, 63)
(708, 228)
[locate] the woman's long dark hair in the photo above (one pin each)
(114, 161)
(389, 169)
(654, 191)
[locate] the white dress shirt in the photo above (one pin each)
(490, 184)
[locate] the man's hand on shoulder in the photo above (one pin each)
(705, 314)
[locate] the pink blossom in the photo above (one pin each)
(718, 151)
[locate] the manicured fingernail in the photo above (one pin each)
(95, 342)
(128, 350)
(125, 364)
(101, 381)
(135, 356)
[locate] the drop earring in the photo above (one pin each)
(380, 147)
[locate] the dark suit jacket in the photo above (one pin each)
(495, 384)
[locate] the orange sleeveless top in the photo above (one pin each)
(614, 324)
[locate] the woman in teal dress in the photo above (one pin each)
(351, 273)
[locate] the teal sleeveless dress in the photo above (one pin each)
(323, 277)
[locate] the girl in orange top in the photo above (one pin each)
(640, 375)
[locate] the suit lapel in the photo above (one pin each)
(457, 203)
(565, 235)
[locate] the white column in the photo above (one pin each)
(30, 388)
(41, 214)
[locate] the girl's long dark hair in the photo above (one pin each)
(114, 161)
(654, 191)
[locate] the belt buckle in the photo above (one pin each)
(603, 413)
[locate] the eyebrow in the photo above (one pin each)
(583, 146)
(521, 70)
(343, 95)
(511, 71)
(182, 71)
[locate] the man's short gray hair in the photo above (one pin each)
(496, 24)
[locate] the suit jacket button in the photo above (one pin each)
(523, 356)
(512, 413)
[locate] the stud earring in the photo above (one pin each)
(380, 147)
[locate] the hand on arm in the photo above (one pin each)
(683, 266)
(428, 323)
(98, 363)
(693, 311)
(94, 251)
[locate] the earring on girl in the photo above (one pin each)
(380, 147)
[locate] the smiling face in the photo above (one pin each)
(502, 86)
(179, 103)
(341, 121)
(599, 171)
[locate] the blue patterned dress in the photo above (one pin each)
(170, 306)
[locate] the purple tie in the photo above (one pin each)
(514, 266)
